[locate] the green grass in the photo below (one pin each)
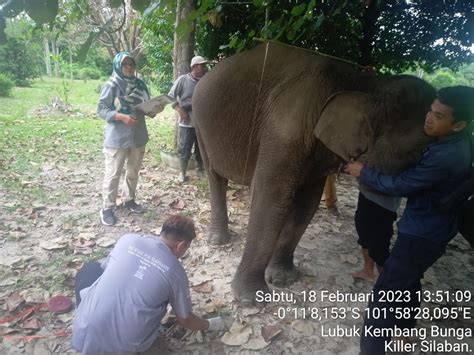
(81, 95)
(31, 142)
(31, 138)
(53, 278)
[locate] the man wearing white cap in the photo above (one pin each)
(182, 90)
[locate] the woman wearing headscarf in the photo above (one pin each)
(125, 135)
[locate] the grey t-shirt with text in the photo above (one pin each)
(122, 310)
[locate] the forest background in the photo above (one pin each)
(76, 39)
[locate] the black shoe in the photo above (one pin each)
(133, 207)
(107, 217)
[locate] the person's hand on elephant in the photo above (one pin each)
(354, 168)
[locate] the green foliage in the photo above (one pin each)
(98, 58)
(140, 5)
(391, 34)
(433, 34)
(158, 44)
(13, 9)
(467, 72)
(446, 77)
(311, 24)
(20, 60)
(41, 11)
(88, 73)
(6, 84)
(115, 3)
(442, 79)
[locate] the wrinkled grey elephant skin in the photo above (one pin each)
(281, 119)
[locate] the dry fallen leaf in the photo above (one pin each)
(13, 301)
(230, 194)
(83, 243)
(83, 251)
(349, 258)
(237, 335)
(256, 343)
(35, 295)
(213, 306)
(192, 337)
(10, 281)
(205, 287)
(270, 331)
(67, 226)
(250, 311)
(14, 260)
(307, 244)
(86, 236)
(106, 242)
(303, 327)
(53, 244)
(7, 330)
(65, 318)
(177, 204)
(32, 323)
(17, 235)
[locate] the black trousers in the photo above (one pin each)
(85, 277)
(374, 225)
(188, 139)
(410, 258)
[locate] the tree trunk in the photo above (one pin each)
(55, 51)
(71, 75)
(183, 50)
(47, 56)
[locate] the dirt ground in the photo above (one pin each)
(44, 243)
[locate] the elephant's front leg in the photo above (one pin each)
(272, 196)
(281, 270)
(218, 231)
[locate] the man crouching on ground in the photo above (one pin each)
(121, 302)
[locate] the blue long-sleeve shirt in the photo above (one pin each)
(443, 166)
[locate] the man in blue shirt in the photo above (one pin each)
(423, 231)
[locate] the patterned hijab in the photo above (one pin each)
(131, 90)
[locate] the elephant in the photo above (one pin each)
(280, 119)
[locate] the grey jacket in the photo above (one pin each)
(117, 133)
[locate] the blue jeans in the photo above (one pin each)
(409, 259)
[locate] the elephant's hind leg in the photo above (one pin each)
(281, 270)
(218, 231)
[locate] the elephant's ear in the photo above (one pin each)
(343, 126)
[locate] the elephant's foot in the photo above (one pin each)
(281, 275)
(246, 289)
(217, 237)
